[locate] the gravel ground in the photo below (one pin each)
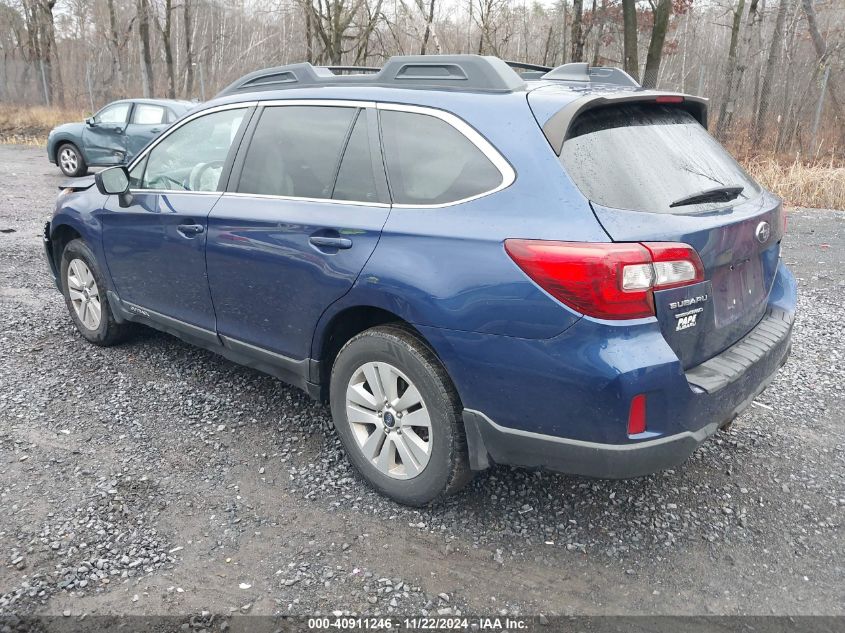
(155, 478)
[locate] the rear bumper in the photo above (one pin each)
(487, 441)
(563, 403)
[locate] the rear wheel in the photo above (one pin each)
(70, 160)
(399, 417)
(84, 290)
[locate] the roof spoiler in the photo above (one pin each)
(557, 127)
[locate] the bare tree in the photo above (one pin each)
(661, 12)
(727, 104)
(165, 28)
(188, 38)
(629, 17)
(769, 75)
(822, 52)
(577, 54)
(143, 12)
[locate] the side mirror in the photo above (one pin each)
(91, 121)
(114, 181)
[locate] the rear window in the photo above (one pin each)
(649, 158)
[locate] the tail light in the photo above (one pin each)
(607, 280)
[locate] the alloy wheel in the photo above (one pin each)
(389, 420)
(84, 294)
(68, 160)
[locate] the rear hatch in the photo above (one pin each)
(652, 173)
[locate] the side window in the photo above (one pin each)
(146, 114)
(192, 157)
(116, 113)
(431, 162)
(295, 150)
(355, 179)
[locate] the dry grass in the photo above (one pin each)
(30, 125)
(818, 183)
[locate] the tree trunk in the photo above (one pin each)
(577, 54)
(51, 74)
(727, 102)
(308, 10)
(822, 53)
(115, 47)
(655, 48)
(168, 49)
(629, 17)
(428, 22)
(147, 79)
(769, 74)
(189, 50)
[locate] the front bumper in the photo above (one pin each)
(49, 256)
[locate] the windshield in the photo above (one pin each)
(647, 157)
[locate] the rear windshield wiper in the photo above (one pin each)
(717, 194)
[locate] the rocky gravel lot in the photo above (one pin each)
(155, 478)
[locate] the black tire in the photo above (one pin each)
(108, 331)
(447, 470)
(81, 166)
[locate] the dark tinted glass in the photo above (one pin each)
(355, 180)
(295, 151)
(645, 157)
(430, 162)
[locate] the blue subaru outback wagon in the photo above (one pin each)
(473, 266)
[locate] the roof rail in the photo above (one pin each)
(580, 71)
(449, 72)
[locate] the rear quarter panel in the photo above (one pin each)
(447, 268)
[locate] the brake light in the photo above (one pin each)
(607, 280)
(668, 99)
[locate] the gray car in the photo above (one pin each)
(114, 135)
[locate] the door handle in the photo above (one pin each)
(155, 130)
(322, 241)
(190, 230)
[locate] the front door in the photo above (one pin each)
(297, 226)
(155, 246)
(104, 136)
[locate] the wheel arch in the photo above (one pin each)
(60, 236)
(66, 140)
(342, 325)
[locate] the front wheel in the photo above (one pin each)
(399, 417)
(70, 161)
(84, 290)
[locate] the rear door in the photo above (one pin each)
(147, 122)
(653, 173)
(306, 204)
(104, 138)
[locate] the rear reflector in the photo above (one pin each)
(636, 416)
(607, 280)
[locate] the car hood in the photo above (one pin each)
(78, 184)
(74, 129)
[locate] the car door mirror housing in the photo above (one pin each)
(113, 181)
(91, 121)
